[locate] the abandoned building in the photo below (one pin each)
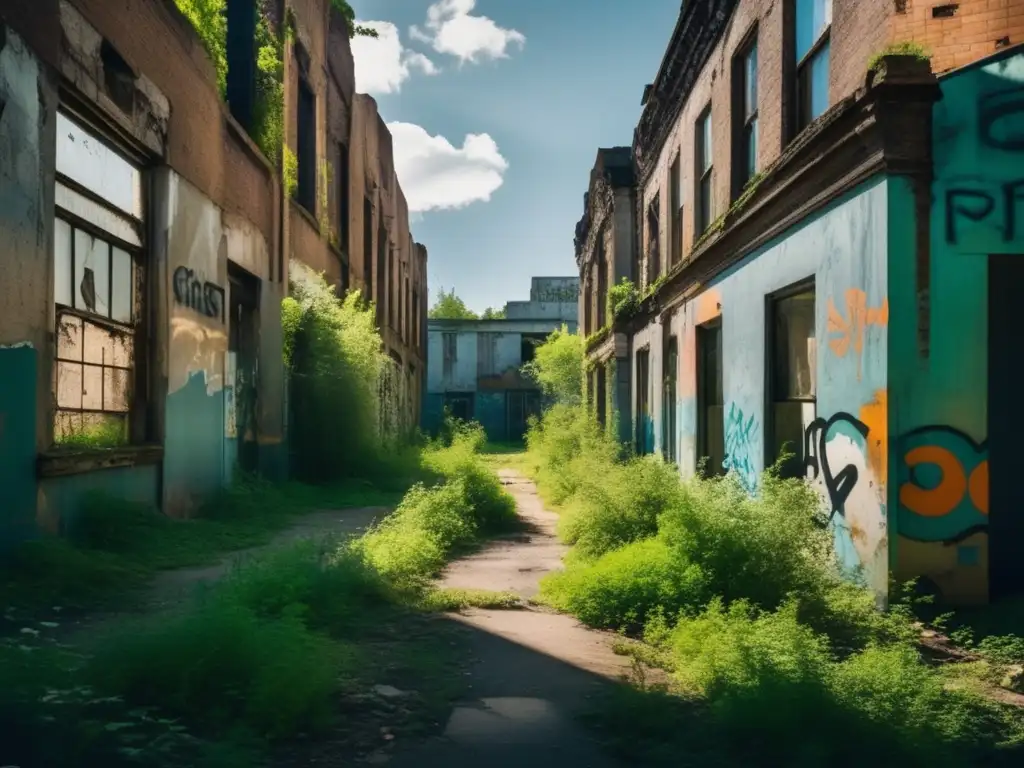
(474, 368)
(822, 250)
(152, 197)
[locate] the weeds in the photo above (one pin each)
(774, 659)
(459, 599)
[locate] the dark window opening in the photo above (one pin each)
(602, 396)
(745, 117)
(382, 265)
(528, 346)
(241, 59)
(793, 376)
(305, 190)
(710, 397)
(407, 319)
(602, 284)
(368, 249)
(653, 240)
(812, 50)
(675, 208)
(459, 405)
(704, 203)
(392, 304)
(449, 353)
(947, 11)
(341, 174)
(416, 318)
(118, 77)
(644, 427)
(669, 432)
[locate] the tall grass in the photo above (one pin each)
(773, 657)
(272, 647)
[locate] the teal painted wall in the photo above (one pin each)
(843, 249)
(490, 412)
(64, 494)
(194, 445)
(17, 444)
(940, 404)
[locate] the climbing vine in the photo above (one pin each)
(291, 172)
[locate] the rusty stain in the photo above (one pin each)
(850, 328)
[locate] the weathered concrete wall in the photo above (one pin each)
(942, 411)
(844, 251)
(27, 106)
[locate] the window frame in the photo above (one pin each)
(703, 432)
(802, 91)
(772, 302)
(675, 209)
(305, 148)
(670, 395)
(137, 416)
(643, 396)
(652, 226)
(703, 172)
(745, 121)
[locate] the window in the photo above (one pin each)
(98, 273)
(601, 396)
(392, 304)
(341, 174)
(644, 427)
(813, 24)
(416, 317)
(305, 189)
(407, 317)
(602, 284)
(745, 117)
(449, 352)
(653, 240)
(793, 375)
(710, 410)
(587, 308)
(675, 208)
(241, 60)
(668, 401)
(382, 277)
(368, 248)
(705, 197)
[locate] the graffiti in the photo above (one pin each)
(943, 485)
(740, 436)
(848, 331)
(838, 485)
(998, 110)
(203, 297)
(558, 295)
(977, 205)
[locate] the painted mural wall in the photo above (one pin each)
(843, 250)
(941, 488)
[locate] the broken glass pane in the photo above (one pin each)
(92, 273)
(62, 263)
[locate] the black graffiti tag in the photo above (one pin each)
(840, 484)
(977, 205)
(205, 298)
(997, 111)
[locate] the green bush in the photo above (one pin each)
(627, 586)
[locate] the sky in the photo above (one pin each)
(497, 109)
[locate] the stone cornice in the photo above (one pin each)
(697, 31)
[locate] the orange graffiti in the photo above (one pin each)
(977, 487)
(943, 498)
(875, 416)
(709, 306)
(850, 329)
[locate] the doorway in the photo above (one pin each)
(243, 348)
(1005, 426)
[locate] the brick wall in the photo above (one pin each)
(971, 33)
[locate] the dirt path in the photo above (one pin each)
(531, 671)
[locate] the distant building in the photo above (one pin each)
(473, 366)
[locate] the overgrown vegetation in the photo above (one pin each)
(106, 433)
(339, 408)
(448, 306)
(270, 653)
(558, 366)
(905, 48)
(772, 658)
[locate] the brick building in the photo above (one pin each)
(823, 265)
(152, 196)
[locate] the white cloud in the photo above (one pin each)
(436, 175)
(452, 28)
(383, 63)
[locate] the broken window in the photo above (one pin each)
(97, 258)
(305, 189)
(705, 202)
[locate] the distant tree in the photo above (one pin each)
(493, 314)
(450, 307)
(557, 367)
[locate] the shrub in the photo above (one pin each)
(624, 588)
(558, 367)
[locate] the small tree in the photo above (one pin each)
(557, 367)
(493, 314)
(450, 307)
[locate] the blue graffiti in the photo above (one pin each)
(740, 435)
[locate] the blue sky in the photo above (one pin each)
(541, 84)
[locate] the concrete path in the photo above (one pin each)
(531, 671)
